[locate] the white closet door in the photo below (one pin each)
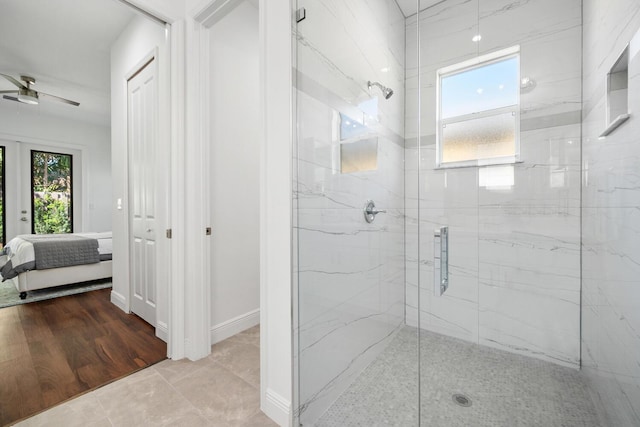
(142, 134)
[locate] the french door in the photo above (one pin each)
(37, 190)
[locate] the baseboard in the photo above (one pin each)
(162, 331)
(227, 329)
(277, 408)
(119, 301)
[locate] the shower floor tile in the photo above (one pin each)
(505, 389)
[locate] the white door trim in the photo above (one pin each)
(172, 107)
(275, 38)
(276, 222)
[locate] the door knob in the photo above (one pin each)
(370, 211)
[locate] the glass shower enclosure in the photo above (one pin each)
(437, 211)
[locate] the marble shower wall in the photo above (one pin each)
(611, 217)
(350, 281)
(514, 229)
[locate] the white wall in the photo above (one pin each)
(93, 175)
(275, 210)
(234, 172)
(610, 220)
(139, 39)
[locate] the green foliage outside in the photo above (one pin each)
(51, 215)
(51, 192)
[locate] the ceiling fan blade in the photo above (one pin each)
(57, 98)
(8, 91)
(14, 81)
(10, 98)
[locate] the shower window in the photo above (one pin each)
(479, 110)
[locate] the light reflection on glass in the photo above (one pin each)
(496, 177)
(359, 156)
(558, 177)
(350, 128)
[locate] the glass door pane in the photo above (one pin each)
(51, 187)
(353, 345)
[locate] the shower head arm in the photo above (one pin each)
(370, 84)
(386, 92)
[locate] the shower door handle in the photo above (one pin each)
(440, 260)
(370, 211)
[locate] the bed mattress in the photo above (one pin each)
(46, 251)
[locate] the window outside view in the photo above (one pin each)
(52, 196)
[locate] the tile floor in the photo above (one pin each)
(505, 389)
(223, 390)
(220, 390)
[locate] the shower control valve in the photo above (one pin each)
(370, 211)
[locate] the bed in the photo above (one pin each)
(39, 261)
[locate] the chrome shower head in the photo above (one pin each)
(386, 92)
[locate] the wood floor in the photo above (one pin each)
(53, 350)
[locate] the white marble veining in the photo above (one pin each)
(529, 281)
(350, 273)
(514, 229)
(610, 218)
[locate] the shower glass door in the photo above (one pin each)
(356, 359)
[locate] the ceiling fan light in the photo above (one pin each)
(28, 96)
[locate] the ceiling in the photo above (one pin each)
(410, 7)
(65, 45)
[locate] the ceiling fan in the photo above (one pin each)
(28, 95)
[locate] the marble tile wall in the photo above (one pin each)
(611, 217)
(514, 230)
(350, 274)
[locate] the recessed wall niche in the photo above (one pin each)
(618, 93)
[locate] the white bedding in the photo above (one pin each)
(21, 252)
(105, 245)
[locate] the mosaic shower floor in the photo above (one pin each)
(505, 389)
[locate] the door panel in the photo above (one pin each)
(142, 125)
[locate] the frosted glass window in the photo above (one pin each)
(479, 110)
(483, 138)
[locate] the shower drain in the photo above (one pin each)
(461, 399)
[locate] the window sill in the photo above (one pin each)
(480, 163)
